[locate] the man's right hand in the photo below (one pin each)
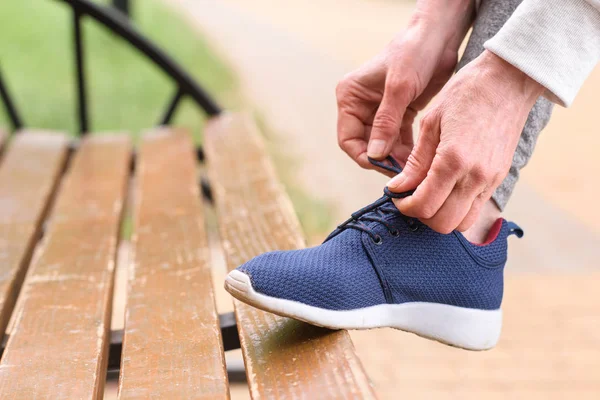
(377, 104)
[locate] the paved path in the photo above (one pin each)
(549, 349)
(289, 56)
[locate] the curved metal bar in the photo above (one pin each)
(117, 23)
(122, 5)
(11, 110)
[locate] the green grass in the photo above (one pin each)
(315, 215)
(126, 91)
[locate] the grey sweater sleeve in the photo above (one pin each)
(555, 42)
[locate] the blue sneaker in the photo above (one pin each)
(383, 269)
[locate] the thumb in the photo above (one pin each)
(387, 121)
(420, 158)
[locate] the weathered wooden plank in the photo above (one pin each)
(29, 173)
(58, 345)
(284, 358)
(172, 346)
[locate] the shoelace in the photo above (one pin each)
(377, 211)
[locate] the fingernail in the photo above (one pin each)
(396, 181)
(376, 148)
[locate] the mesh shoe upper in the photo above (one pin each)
(336, 275)
(426, 266)
(350, 270)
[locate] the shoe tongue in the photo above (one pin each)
(390, 207)
(380, 208)
(385, 211)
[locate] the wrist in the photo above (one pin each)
(509, 76)
(446, 20)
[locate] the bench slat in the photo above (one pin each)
(58, 345)
(284, 358)
(172, 346)
(29, 172)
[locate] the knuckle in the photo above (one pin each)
(480, 175)
(444, 229)
(440, 226)
(345, 144)
(417, 164)
(395, 83)
(464, 225)
(425, 211)
(456, 159)
(413, 162)
(400, 89)
(386, 123)
(343, 86)
(341, 141)
(427, 123)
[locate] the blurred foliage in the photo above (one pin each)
(315, 215)
(126, 91)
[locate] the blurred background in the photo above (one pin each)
(282, 60)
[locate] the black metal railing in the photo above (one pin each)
(117, 23)
(123, 6)
(9, 105)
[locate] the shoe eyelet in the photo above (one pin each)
(413, 227)
(377, 240)
(395, 232)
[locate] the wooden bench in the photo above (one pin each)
(61, 209)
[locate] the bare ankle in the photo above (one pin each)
(478, 232)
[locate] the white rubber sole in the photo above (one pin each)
(466, 328)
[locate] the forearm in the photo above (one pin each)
(555, 42)
(446, 20)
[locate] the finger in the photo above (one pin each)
(405, 143)
(454, 209)
(431, 194)
(401, 152)
(352, 112)
(359, 150)
(356, 148)
(420, 159)
(364, 160)
(351, 137)
(473, 213)
(386, 125)
(406, 128)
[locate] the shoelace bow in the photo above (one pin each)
(377, 211)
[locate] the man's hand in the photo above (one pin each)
(377, 104)
(466, 143)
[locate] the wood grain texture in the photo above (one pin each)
(58, 346)
(172, 346)
(284, 358)
(29, 172)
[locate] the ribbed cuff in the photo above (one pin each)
(555, 42)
